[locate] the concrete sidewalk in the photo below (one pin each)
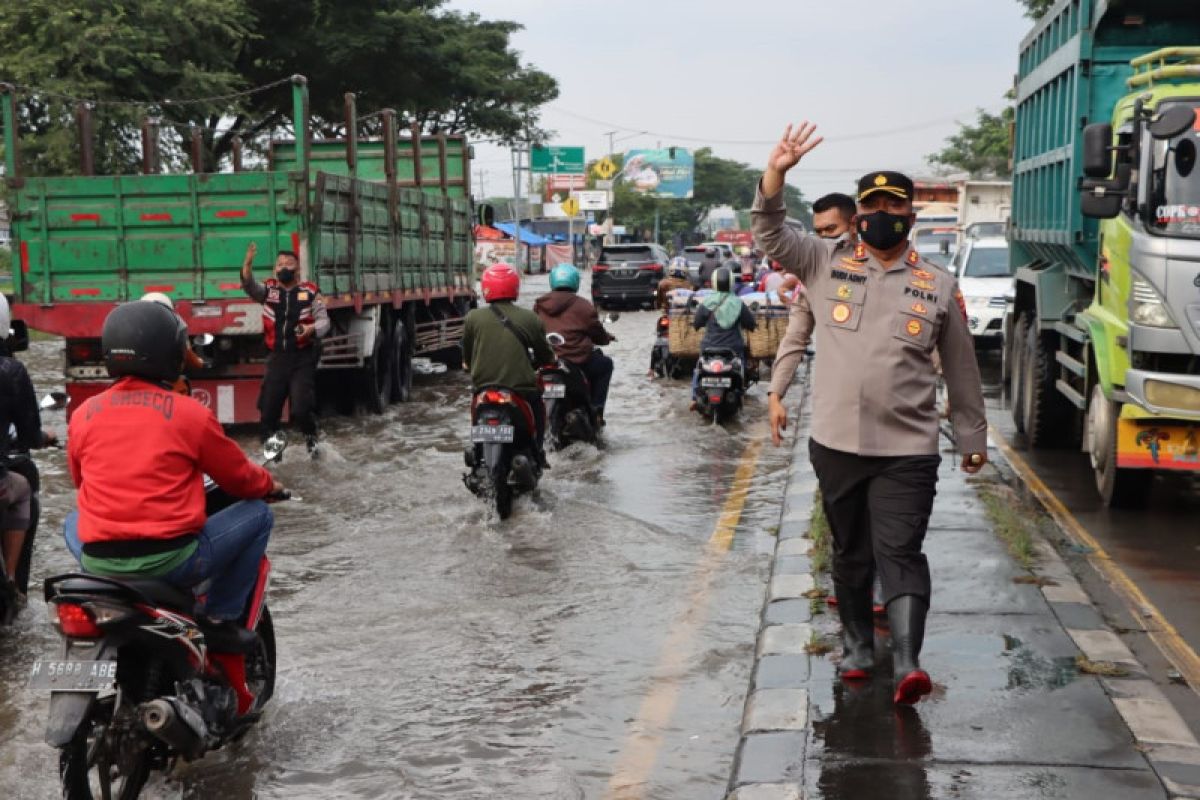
(1011, 715)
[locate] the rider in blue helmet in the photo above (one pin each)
(566, 313)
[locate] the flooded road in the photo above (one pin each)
(429, 651)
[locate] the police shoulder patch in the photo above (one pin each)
(962, 304)
(860, 252)
(914, 257)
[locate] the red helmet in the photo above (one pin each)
(500, 282)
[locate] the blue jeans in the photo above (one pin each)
(229, 548)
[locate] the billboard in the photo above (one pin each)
(657, 173)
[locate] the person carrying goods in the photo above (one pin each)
(564, 312)
(677, 278)
(723, 316)
(504, 344)
(294, 319)
(874, 443)
(18, 410)
(833, 217)
(138, 453)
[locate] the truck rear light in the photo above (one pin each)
(600, 268)
(77, 622)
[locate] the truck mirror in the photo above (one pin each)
(1172, 122)
(18, 337)
(1097, 152)
(1100, 199)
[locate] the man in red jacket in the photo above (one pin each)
(138, 453)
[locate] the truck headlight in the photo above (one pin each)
(1146, 306)
(1172, 395)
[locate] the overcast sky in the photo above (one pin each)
(884, 79)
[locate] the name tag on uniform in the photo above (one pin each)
(302, 296)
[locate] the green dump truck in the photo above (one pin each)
(383, 227)
(1103, 343)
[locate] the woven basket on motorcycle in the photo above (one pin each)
(682, 339)
(771, 323)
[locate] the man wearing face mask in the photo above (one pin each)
(874, 441)
(293, 318)
(832, 216)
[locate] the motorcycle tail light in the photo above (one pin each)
(77, 622)
(84, 351)
(717, 366)
(494, 396)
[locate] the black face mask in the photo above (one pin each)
(286, 275)
(882, 230)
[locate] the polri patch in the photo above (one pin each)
(913, 327)
(841, 313)
(922, 274)
(927, 286)
(844, 292)
(919, 308)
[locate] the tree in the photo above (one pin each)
(981, 149)
(718, 181)
(1036, 9)
(443, 70)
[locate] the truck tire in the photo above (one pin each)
(1118, 488)
(1045, 414)
(1015, 348)
(376, 375)
(402, 367)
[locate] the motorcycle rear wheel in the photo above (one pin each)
(85, 765)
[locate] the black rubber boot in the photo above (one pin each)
(906, 617)
(858, 631)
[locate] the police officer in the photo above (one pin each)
(833, 217)
(883, 312)
(293, 318)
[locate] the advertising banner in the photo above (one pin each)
(669, 172)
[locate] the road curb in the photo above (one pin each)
(775, 720)
(1158, 730)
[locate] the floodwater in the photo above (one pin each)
(428, 650)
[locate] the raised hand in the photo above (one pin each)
(797, 142)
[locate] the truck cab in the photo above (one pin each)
(1102, 348)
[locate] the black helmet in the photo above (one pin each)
(722, 279)
(143, 339)
(712, 252)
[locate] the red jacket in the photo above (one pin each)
(138, 453)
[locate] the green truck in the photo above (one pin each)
(383, 227)
(1102, 345)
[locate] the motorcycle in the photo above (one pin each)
(502, 458)
(722, 384)
(21, 463)
(142, 681)
(568, 398)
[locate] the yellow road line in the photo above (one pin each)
(1161, 632)
(630, 778)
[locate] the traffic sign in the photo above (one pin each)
(605, 168)
(570, 206)
(592, 200)
(556, 159)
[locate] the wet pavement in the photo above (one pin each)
(429, 651)
(1011, 715)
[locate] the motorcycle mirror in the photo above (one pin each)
(273, 448)
(612, 317)
(203, 339)
(54, 400)
(555, 339)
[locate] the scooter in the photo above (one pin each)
(568, 398)
(143, 681)
(722, 384)
(502, 459)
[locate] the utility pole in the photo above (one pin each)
(610, 220)
(656, 201)
(518, 150)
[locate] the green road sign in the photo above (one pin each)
(556, 160)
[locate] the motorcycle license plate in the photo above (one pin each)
(492, 434)
(554, 391)
(73, 676)
(723, 383)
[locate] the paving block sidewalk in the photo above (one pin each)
(1011, 715)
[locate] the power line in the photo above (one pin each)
(848, 138)
(35, 90)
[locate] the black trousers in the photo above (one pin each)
(291, 376)
(878, 509)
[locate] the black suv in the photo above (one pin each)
(628, 274)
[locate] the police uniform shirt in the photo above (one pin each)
(874, 383)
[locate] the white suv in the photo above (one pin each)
(985, 278)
